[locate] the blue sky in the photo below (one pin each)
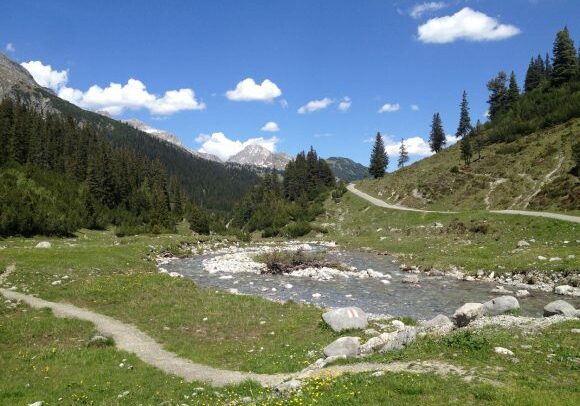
(187, 59)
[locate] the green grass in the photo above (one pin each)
(441, 182)
(116, 277)
(472, 241)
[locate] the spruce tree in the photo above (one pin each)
(513, 94)
(465, 148)
(565, 64)
(403, 155)
(497, 95)
(379, 158)
(464, 120)
(437, 136)
(477, 132)
(548, 68)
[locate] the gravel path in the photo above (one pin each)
(133, 340)
(377, 202)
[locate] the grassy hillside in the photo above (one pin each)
(532, 172)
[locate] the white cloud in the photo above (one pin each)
(220, 145)
(466, 24)
(415, 146)
(389, 108)
(45, 76)
(451, 139)
(344, 104)
(249, 90)
(314, 105)
(419, 9)
(10, 47)
(284, 103)
(115, 98)
(271, 126)
(414, 107)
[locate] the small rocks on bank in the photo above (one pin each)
(567, 290)
(344, 346)
(522, 293)
(467, 313)
(390, 341)
(438, 325)
(501, 305)
(560, 307)
(346, 318)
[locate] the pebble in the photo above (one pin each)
(522, 293)
(316, 295)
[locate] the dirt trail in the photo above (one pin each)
(380, 203)
(133, 340)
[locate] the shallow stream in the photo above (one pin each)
(433, 295)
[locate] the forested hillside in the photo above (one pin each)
(209, 184)
(527, 156)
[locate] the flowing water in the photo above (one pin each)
(433, 296)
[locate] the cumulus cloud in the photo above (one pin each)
(249, 90)
(414, 107)
(389, 108)
(45, 76)
(466, 24)
(344, 104)
(115, 98)
(10, 47)
(428, 7)
(271, 126)
(314, 105)
(220, 145)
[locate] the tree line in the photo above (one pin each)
(551, 96)
(57, 176)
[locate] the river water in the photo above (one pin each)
(433, 295)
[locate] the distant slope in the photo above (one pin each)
(211, 184)
(346, 169)
(260, 157)
(532, 172)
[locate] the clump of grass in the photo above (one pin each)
(99, 341)
(280, 262)
(466, 340)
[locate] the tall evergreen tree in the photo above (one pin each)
(465, 148)
(464, 120)
(403, 154)
(379, 158)
(565, 62)
(437, 136)
(478, 138)
(548, 68)
(497, 95)
(513, 93)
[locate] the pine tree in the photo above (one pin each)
(379, 158)
(548, 68)
(513, 93)
(565, 64)
(198, 220)
(464, 120)
(465, 148)
(477, 132)
(403, 155)
(497, 95)
(437, 136)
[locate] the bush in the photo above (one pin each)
(454, 169)
(270, 232)
(466, 340)
(297, 229)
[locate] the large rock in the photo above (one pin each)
(438, 325)
(567, 290)
(389, 341)
(467, 313)
(344, 346)
(501, 305)
(43, 244)
(346, 318)
(560, 307)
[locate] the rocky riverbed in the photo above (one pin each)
(376, 283)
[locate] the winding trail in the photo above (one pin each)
(131, 339)
(377, 202)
